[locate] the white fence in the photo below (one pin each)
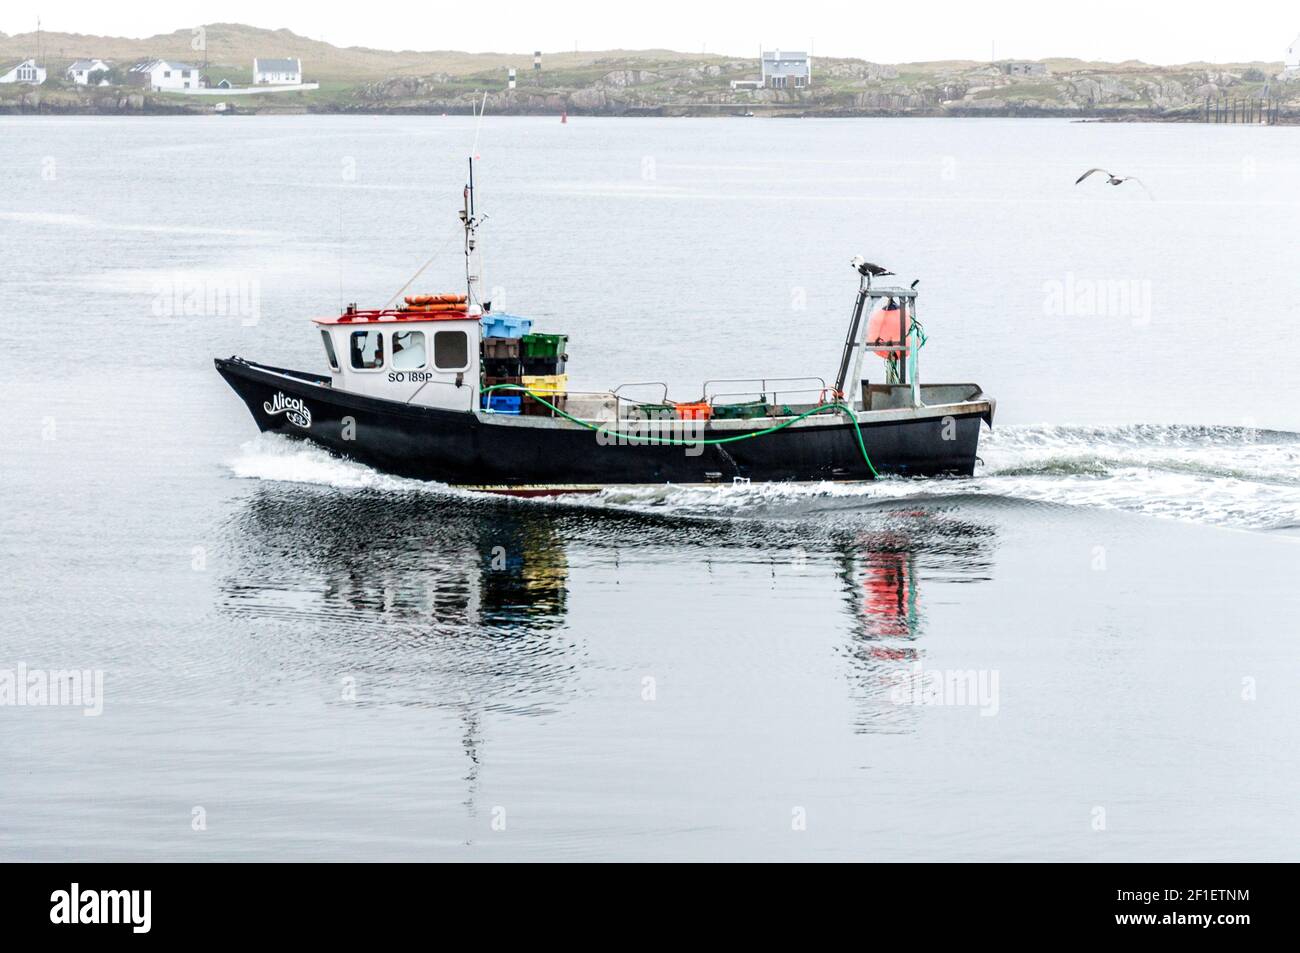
(244, 90)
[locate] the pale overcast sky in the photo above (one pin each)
(1158, 32)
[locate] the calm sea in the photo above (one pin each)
(1085, 652)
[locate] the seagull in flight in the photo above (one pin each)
(1113, 179)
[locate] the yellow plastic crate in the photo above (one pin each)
(546, 383)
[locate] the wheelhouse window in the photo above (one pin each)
(367, 350)
(451, 350)
(408, 350)
(329, 349)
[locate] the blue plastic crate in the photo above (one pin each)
(501, 404)
(505, 326)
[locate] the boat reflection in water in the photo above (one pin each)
(428, 600)
(404, 600)
(883, 571)
(422, 600)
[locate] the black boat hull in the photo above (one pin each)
(462, 449)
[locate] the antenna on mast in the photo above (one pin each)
(471, 221)
(477, 126)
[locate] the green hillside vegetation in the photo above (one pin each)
(627, 82)
(235, 45)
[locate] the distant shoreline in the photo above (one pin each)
(640, 83)
(656, 113)
(133, 103)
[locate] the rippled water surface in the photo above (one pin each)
(320, 661)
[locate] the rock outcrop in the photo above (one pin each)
(674, 85)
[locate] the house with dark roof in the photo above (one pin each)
(277, 72)
(80, 72)
(163, 75)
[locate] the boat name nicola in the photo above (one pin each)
(293, 408)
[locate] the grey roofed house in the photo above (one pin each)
(164, 75)
(81, 71)
(148, 66)
(277, 66)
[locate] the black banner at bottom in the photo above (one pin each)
(136, 903)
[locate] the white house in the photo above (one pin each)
(277, 72)
(162, 75)
(782, 70)
(79, 72)
(25, 72)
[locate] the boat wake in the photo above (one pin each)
(272, 457)
(1226, 476)
(1221, 476)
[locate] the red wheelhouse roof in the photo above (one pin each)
(386, 315)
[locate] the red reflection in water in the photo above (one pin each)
(889, 602)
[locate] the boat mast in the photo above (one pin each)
(469, 218)
(473, 256)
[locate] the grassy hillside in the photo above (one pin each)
(632, 82)
(234, 45)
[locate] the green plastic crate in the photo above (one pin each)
(654, 411)
(544, 345)
(743, 411)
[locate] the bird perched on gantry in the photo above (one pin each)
(868, 270)
(1113, 179)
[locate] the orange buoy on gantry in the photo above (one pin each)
(883, 327)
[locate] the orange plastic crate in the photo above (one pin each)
(695, 411)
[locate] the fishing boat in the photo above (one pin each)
(440, 387)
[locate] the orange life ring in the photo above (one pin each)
(420, 300)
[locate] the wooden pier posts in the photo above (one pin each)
(1255, 110)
